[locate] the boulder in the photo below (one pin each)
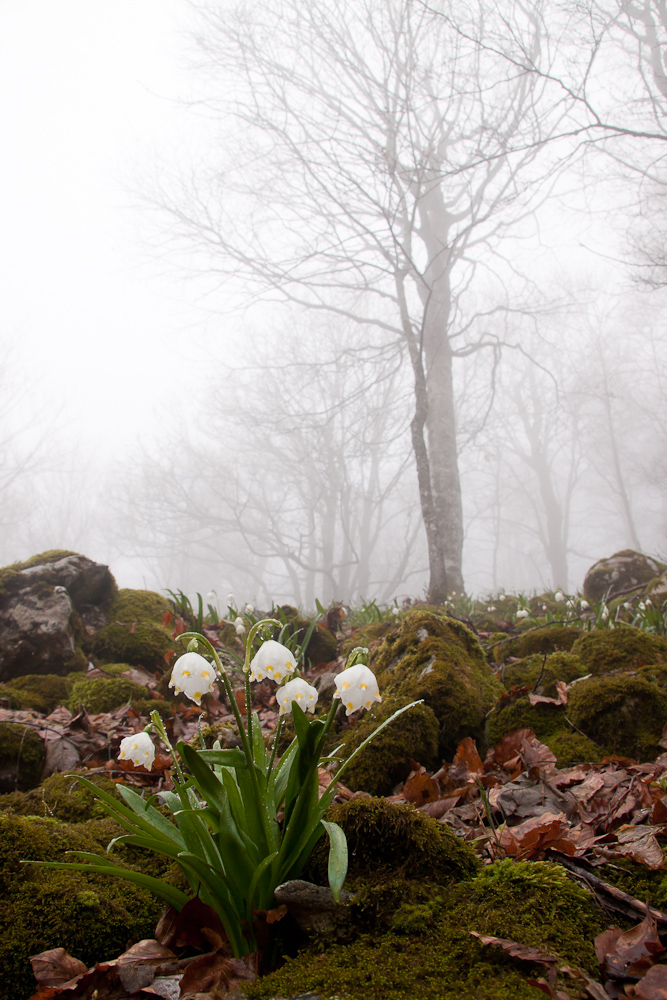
(40, 633)
(47, 604)
(623, 573)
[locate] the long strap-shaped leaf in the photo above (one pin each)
(337, 857)
(100, 866)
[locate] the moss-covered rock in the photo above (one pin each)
(385, 837)
(624, 713)
(322, 645)
(11, 580)
(429, 950)
(541, 673)
(386, 761)
(91, 916)
(39, 692)
(22, 757)
(61, 797)
(620, 574)
(134, 633)
(622, 647)
(545, 720)
(572, 748)
(103, 694)
(439, 660)
(547, 640)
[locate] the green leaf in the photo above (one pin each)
(258, 748)
(229, 758)
(99, 865)
(337, 857)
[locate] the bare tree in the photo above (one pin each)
(378, 159)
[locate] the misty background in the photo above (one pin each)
(343, 300)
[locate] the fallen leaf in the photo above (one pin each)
(531, 838)
(421, 789)
(55, 967)
(652, 987)
(628, 953)
(467, 762)
(516, 950)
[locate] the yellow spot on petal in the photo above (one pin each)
(205, 674)
(196, 696)
(363, 686)
(186, 673)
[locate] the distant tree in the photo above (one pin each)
(378, 157)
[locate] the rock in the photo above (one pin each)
(621, 574)
(46, 605)
(312, 906)
(39, 633)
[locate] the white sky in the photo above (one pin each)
(87, 107)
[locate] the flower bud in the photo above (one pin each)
(139, 749)
(357, 688)
(272, 660)
(193, 675)
(299, 691)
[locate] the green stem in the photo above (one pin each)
(275, 746)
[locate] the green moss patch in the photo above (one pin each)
(134, 633)
(91, 916)
(39, 692)
(61, 797)
(439, 660)
(623, 647)
(429, 950)
(386, 761)
(624, 713)
(21, 757)
(103, 694)
(384, 837)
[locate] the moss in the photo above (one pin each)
(21, 757)
(103, 694)
(384, 837)
(624, 713)
(439, 660)
(61, 797)
(10, 576)
(622, 572)
(544, 720)
(91, 916)
(431, 953)
(40, 692)
(367, 635)
(222, 731)
(386, 761)
(572, 748)
(134, 633)
(637, 880)
(542, 640)
(623, 647)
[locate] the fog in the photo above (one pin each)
(342, 301)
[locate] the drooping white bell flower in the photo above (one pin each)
(193, 675)
(139, 749)
(559, 596)
(272, 660)
(522, 613)
(357, 688)
(298, 690)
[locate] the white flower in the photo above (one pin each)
(193, 675)
(559, 596)
(139, 749)
(501, 597)
(395, 611)
(249, 608)
(211, 597)
(491, 607)
(605, 614)
(357, 688)
(648, 601)
(298, 690)
(522, 613)
(627, 606)
(584, 605)
(231, 600)
(239, 626)
(641, 606)
(272, 660)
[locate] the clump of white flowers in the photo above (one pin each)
(272, 660)
(522, 613)
(192, 675)
(357, 688)
(298, 690)
(139, 749)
